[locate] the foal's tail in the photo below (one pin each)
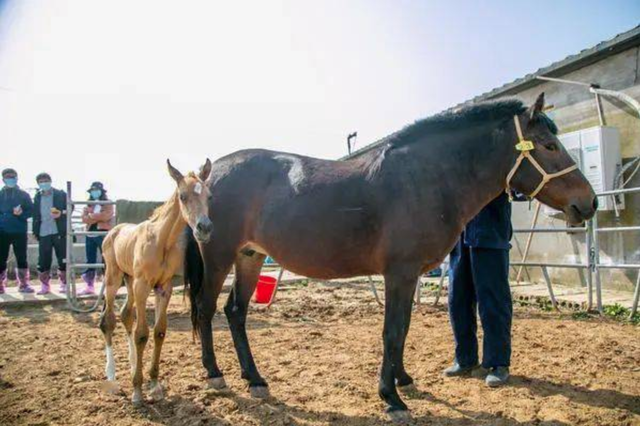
(193, 277)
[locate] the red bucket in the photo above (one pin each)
(264, 289)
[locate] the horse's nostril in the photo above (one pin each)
(595, 203)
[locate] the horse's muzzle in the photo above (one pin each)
(578, 213)
(203, 229)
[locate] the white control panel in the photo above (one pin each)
(597, 153)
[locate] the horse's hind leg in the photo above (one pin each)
(163, 296)
(247, 271)
(113, 279)
(141, 335)
(399, 286)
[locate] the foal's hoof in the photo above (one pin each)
(259, 392)
(216, 383)
(157, 392)
(400, 416)
(409, 389)
(110, 387)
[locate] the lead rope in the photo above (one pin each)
(525, 146)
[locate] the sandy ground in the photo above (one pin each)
(319, 348)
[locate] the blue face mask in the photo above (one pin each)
(10, 182)
(95, 193)
(44, 186)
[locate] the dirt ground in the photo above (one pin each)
(319, 348)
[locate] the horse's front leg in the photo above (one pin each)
(206, 302)
(141, 336)
(163, 296)
(399, 287)
(247, 272)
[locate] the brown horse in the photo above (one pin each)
(396, 210)
(149, 255)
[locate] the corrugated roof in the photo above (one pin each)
(617, 44)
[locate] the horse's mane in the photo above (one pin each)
(163, 210)
(460, 118)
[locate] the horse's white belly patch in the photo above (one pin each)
(296, 170)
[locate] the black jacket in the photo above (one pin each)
(60, 203)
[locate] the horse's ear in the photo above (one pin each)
(175, 173)
(205, 170)
(537, 107)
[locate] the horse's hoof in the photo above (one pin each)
(259, 392)
(399, 416)
(409, 389)
(216, 383)
(136, 399)
(157, 392)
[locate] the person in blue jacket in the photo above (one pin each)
(479, 279)
(15, 208)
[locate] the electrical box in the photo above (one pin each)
(596, 151)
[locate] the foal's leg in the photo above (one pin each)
(247, 271)
(141, 335)
(128, 315)
(399, 286)
(163, 296)
(113, 278)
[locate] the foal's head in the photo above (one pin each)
(193, 195)
(547, 172)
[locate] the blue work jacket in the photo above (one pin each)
(491, 228)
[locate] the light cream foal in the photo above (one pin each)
(148, 255)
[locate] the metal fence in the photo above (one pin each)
(593, 266)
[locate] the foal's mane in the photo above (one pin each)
(164, 209)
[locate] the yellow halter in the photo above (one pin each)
(525, 146)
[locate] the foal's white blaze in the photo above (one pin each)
(110, 368)
(296, 169)
(197, 188)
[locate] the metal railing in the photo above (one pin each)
(594, 264)
(72, 296)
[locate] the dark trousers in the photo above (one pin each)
(47, 245)
(92, 246)
(479, 278)
(19, 244)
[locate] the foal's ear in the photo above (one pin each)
(175, 173)
(205, 170)
(537, 107)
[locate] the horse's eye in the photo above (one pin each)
(183, 197)
(551, 147)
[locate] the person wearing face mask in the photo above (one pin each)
(50, 228)
(15, 208)
(97, 217)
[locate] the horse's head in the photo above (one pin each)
(193, 195)
(545, 171)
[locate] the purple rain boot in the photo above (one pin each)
(89, 277)
(3, 281)
(24, 286)
(45, 280)
(62, 275)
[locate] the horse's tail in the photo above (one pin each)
(193, 277)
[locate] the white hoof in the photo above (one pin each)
(216, 383)
(408, 389)
(136, 399)
(110, 387)
(157, 392)
(259, 392)
(400, 416)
